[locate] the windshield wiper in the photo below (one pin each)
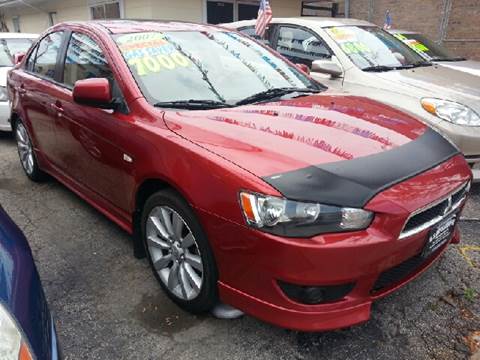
(192, 104)
(438, 58)
(381, 68)
(274, 93)
(422, 63)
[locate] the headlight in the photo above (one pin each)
(3, 93)
(451, 111)
(298, 219)
(12, 346)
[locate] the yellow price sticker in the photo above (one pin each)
(412, 43)
(355, 47)
(151, 52)
(154, 64)
(342, 34)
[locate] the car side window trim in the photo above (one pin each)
(276, 34)
(63, 55)
(31, 55)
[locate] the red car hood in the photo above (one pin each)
(281, 136)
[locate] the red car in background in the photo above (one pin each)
(238, 178)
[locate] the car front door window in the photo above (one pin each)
(301, 46)
(84, 60)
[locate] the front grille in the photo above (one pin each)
(435, 213)
(398, 273)
(401, 271)
(425, 216)
(459, 195)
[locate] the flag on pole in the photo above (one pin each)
(264, 17)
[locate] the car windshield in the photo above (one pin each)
(198, 66)
(372, 48)
(427, 48)
(10, 47)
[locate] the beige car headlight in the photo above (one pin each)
(451, 111)
(12, 344)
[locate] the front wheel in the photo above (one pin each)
(179, 252)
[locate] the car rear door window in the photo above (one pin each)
(84, 60)
(301, 46)
(47, 53)
(250, 31)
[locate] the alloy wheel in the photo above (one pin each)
(25, 150)
(174, 252)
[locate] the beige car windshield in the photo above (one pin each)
(370, 47)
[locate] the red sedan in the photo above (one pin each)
(237, 175)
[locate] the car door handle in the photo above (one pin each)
(57, 107)
(21, 90)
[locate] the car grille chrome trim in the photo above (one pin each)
(439, 209)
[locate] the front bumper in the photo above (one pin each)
(251, 262)
(352, 310)
(5, 116)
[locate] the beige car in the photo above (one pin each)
(360, 58)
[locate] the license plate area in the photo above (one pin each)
(439, 235)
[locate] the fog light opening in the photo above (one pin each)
(314, 295)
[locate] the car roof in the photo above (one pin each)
(15, 35)
(134, 25)
(306, 21)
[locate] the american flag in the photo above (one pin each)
(264, 17)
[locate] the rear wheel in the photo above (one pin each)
(26, 153)
(179, 252)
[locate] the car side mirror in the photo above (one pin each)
(95, 92)
(329, 67)
(18, 58)
(303, 68)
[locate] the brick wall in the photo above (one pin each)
(426, 16)
(464, 24)
(359, 9)
(423, 16)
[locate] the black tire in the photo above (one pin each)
(207, 298)
(33, 172)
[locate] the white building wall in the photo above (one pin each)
(138, 9)
(71, 10)
(37, 19)
(185, 10)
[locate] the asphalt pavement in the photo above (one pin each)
(107, 305)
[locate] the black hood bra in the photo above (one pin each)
(352, 183)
